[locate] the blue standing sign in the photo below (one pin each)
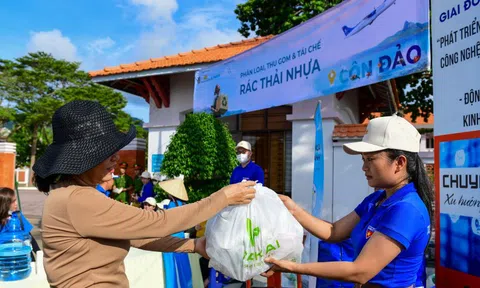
(311, 245)
(157, 160)
(318, 168)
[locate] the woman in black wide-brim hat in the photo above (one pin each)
(86, 235)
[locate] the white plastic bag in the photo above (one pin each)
(239, 238)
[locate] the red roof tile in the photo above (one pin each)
(206, 55)
(358, 130)
(408, 116)
(349, 131)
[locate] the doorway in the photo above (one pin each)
(270, 134)
(272, 151)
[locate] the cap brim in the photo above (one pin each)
(241, 146)
(361, 147)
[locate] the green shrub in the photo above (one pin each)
(203, 151)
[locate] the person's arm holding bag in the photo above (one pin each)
(95, 216)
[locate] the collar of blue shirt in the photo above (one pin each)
(399, 194)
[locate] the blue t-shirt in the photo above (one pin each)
(251, 172)
(147, 191)
(171, 205)
(402, 217)
(26, 225)
(422, 274)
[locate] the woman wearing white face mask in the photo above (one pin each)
(247, 170)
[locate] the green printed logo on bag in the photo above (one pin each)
(254, 232)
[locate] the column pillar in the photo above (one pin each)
(133, 153)
(7, 164)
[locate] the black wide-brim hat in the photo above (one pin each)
(84, 135)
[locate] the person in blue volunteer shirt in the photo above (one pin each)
(390, 228)
(8, 207)
(247, 170)
(107, 185)
(147, 189)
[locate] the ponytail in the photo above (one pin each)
(420, 179)
(418, 176)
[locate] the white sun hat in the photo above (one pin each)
(390, 132)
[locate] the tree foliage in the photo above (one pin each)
(6, 113)
(203, 151)
(36, 85)
(274, 17)
(415, 92)
(265, 18)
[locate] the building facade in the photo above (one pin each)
(282, 137)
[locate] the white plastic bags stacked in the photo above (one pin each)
(239, 238)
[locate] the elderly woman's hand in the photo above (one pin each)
(241, 193)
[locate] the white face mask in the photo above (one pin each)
(242, 158)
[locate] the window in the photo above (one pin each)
(430, 142)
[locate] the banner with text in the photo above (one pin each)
(456, 62)
(460, 205)
(356, 43)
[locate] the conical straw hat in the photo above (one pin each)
(175, 188)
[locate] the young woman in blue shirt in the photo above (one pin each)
(390, 228)
(8, 207)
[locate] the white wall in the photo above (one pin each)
(328, 161)
(164, 121)
(334, 111)
(349, 182)
(303, 147)
(181, 101)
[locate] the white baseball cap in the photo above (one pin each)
(390, 132)
(244, 145)
(151, 201)
(146, 175)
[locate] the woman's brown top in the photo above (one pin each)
(86, 236)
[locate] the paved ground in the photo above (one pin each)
(31, 202)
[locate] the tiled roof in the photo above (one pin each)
(358, 130)
(349, 131)
(205, 55)
(418, 120)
